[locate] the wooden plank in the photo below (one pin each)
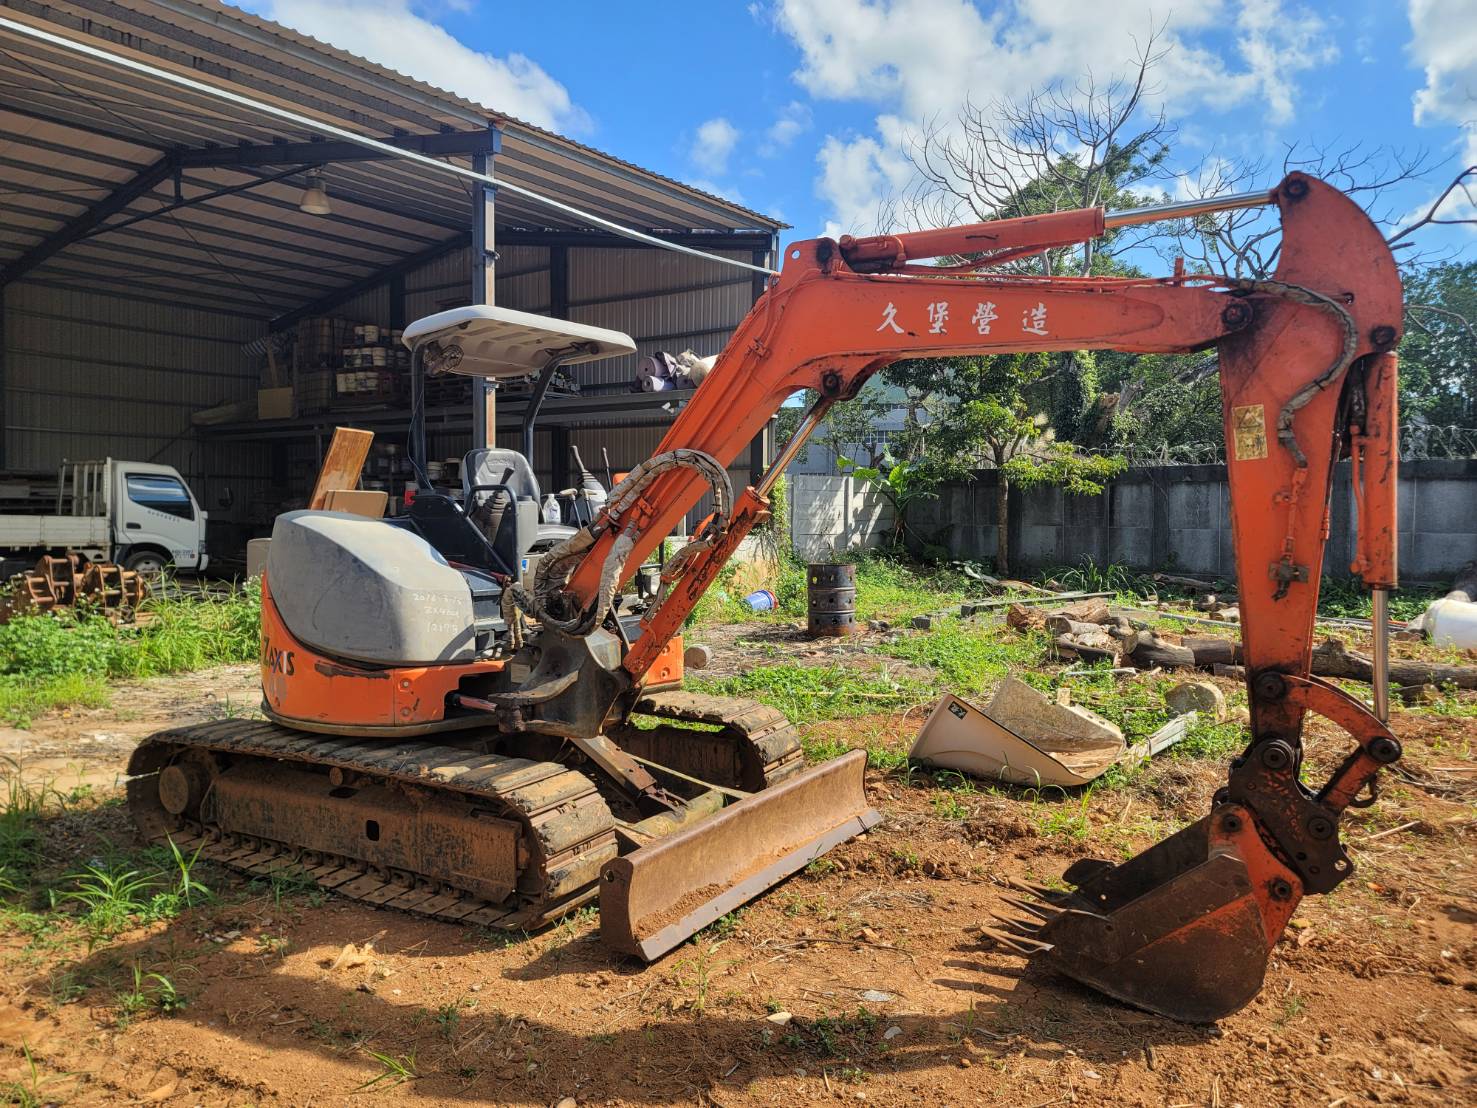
(343, 463)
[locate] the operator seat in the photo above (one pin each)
(501, 496)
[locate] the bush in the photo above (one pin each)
(63, 658)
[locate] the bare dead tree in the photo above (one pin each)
(1065, 146)
(1464, 182)
(1247, 242)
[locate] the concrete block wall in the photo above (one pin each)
(830, 515)
(1162, 517)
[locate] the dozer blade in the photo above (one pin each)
(1184, 929)
(654, 898)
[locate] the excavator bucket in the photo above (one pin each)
(1184, 929)
(654, 898)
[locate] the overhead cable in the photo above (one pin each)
(364, 140)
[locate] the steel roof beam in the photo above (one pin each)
(143, 182)
(446, 144)
(373, 281)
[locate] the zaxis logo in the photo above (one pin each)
(277, 661)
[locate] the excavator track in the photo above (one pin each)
(754, 748)
(446, 831)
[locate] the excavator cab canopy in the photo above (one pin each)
(483, 340)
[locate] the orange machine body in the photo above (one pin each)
(312, 692)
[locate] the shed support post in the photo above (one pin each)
(484, 264)
(4, 407)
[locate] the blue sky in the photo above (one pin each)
(801, 108)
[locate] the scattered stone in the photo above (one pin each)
(892, 1033)
(923, 623)
(1197, 696)
(567, 1102)
(875, 996)
(965, 1063)
(1092, 1075)
(779, 1019)
(1419, 694)
(231, 936)
(866, 934)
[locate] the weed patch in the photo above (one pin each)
(65, 658)
(808, 693)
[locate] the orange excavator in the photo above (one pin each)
(456, 731)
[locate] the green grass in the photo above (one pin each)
(20, 838)
(1345, 598)
(809, 693)
(395, 1070)
(971, 659)
(886, 588)
(22, 699)
(65, 658)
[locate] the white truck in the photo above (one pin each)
(137, 514)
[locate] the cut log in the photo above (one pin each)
(1154, 651)
(1334, 659)
(1022, 618)
(1069, 649)
(1210, 650)
(1092, 610)
(1059, 624)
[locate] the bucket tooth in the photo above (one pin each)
(1033, 908)
(1042, 892)
(1018, 926)
(1021, 944)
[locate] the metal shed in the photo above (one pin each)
(153, 240)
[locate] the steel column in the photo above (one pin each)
(4, 405)
(484, 265)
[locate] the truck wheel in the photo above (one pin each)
(146, 563)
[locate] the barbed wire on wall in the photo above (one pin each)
(1418, 442)
(1428, 440)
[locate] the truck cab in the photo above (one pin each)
(156, 520)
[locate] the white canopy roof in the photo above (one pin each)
(501, 342)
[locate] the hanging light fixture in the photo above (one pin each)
(315, 196)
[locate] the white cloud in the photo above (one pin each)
(713, 145)
(794, 120)
(1444, 44)
(917, 60)
(395, 34)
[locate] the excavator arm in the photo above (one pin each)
(1307, 377)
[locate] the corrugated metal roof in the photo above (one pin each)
(73, 129)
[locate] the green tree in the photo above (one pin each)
(981, 416)
(1438, 355)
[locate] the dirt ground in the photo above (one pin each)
(862, 979)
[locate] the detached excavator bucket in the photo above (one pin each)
(654, 898)
(1183, 929)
